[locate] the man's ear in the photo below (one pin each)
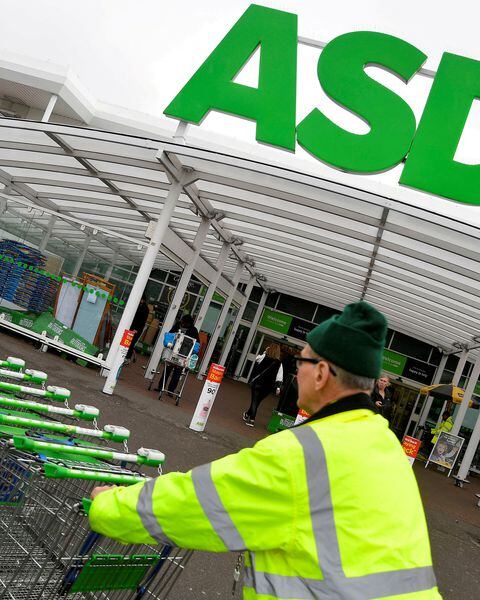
(320, 375)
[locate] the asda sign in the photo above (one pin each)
(427, 149)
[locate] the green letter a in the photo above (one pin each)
(272, 104)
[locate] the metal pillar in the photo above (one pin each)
(411, 415)
(472, 382)
(177, 298)
(50, 106)
(48, 233)
(462, 359)
(222, 259)
(251, 333)
(221, 321)
(470, 451)
(229, 342)
(145, 268)
(429, 400)
(83, 253)
(111, 266)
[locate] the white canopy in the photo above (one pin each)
(320, 239)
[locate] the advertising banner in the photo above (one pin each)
(207, 397)
(446, 451)
(411, 447)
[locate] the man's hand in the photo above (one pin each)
(379, 404)
(100, 489)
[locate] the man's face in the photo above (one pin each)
(306, 381)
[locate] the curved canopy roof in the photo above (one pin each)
(320, 239)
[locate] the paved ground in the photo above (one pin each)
(453, 518)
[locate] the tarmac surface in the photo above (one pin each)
(454, 519)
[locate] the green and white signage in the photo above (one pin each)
(276, 321)
(393, 362)
(428, 150)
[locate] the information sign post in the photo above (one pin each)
(114, 373)
(411, 446)
(207, 397)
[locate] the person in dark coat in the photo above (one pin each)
(138, 324)
(186, 326)
(267, 377)
(382, 397)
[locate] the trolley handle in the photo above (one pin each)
(54, 471)
(112, 433)
(83, 412)
(13, 363)
(52, 392)
(144, 456)
(30, 375)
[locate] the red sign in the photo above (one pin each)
(215, 373)
(127, 338)
(411, 446)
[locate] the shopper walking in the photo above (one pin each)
(311, 505)
(266, 378)
(173, 374)
(138, 325)
(382, 398)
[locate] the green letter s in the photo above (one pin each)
(272, 104)
(342, 76)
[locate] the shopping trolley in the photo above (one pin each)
(49, 550)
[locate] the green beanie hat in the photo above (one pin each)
(353, 340)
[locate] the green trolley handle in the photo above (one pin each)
(30, 375)
(53, 471)
(52, 392)
(81, 411)
(13, 363)
(153, 458)
(113, 433)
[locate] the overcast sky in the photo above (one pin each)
(139, 53)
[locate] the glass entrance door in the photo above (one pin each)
(403, 398)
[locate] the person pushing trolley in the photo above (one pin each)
(311, 506)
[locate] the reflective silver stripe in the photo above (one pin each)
(378, 585)
(147, 516)
(321, 508)
(216, 513)
(389, 583)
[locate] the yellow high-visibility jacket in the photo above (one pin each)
(446, 426)
(330, 509)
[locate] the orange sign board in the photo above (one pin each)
(127, 338)
(411, 446)
(215, 373)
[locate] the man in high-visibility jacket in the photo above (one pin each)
(328, 509)
(446, 425)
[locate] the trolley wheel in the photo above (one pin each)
(177, 401)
